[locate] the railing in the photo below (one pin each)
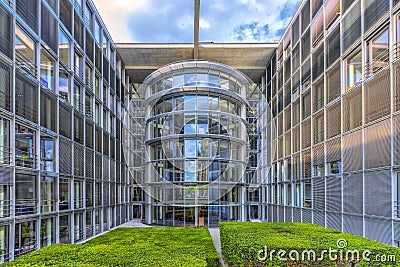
(47, 205)
(5, 155)
(78, 72)
(5, 208)
(25, 248)
(89, 114)
(25, 159)
(78, 6)
(89, 84)
(25, 206)
(8, 2)
(396, 50)
(78, 203)
(377, 64)
(78, 234)
(79, 107)
(25, 63)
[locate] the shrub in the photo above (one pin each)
(131, 247)
(242, 242)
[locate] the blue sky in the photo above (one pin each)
(171, 21)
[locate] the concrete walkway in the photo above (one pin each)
(134, 223)
(214, 232)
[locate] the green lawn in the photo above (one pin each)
(244, 244)
(131, 247)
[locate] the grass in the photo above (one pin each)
(241, 244)
(160, 247)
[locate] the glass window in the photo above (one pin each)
(25, 194)
(354, 70)
(378, 53)
(64, 194)
(4, 141)
(307, 195)
(25, 51)
(24, 146)
(63, 86)
(78, 104)
(97, 32)
(47, 196)
(25, 237)
(47, 152)
(47, 232)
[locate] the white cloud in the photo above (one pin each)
(204, 24)
(115, 15)
(172, 21)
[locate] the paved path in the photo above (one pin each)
(214, 232)
(134, 223)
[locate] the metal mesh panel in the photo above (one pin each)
(306, 160)
(396, 229)
(275, 213)
(377, 145)
(112, 172)
(65, 14)
(270, 215)
(353, 224)
(319, 127)
(352, 26)
(396, 139)
(377, 97)
(333, 194)
(333, 120)
(378, 193)
(5, 83)
(65, 120)
(319, 217)
(89, 169)
(318, 155)
(353, 193)
(288, 214)
(384, 234)
(352, 152)
(352, 109)
(374, 10)
(296, 215)
(281, 213)
(334, 220)
(49, 29)
(306, 134)
(98, 167)
(106, 168)
(333, 150)
(287, 144)
(333, 81)
(28, 11)
(79, 169)
(296, 139)
(319, 193)
(397, 87)
(65, 156)
(6, 33)
(307, 215)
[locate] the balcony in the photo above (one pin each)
(5, 155)
(5, 208)
(25, 159)
(25, 206)
(378, 63)
(25, 63)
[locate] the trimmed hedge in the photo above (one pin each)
(131, 247)
(245, 244)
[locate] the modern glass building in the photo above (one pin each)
(87, 142)
(333, 86)
(63, 92)
(197, 144)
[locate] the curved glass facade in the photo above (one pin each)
(197, 146)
